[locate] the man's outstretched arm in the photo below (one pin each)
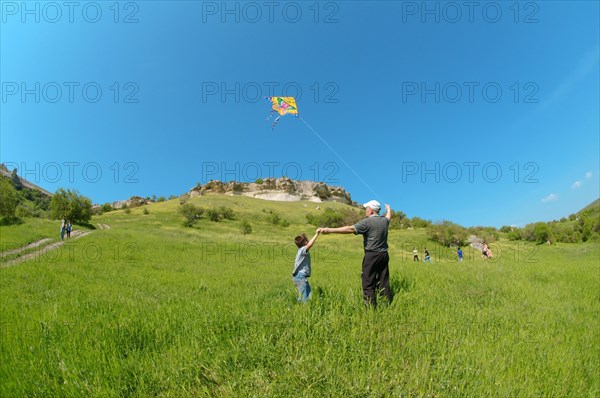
(348, 229)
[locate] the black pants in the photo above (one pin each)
(376, 277)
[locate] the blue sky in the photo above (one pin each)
(484, 116)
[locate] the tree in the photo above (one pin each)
(9, 198)
(418, 222)
(541, 232)
(399, 220)
(16, 180)
(448, 233)
(191, 213)
(70, 205)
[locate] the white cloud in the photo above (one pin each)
(577, 184)
(588, 175)
(550, 198)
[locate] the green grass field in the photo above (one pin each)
(150, 308)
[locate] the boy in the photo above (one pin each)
(301, 271)
(426, 257)
(460, 255)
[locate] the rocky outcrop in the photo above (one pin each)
(134, 201)
(281, 189)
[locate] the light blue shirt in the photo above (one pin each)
(302, 263)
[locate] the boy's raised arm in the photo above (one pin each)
(313, 239)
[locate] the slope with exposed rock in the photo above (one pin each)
(279, 189)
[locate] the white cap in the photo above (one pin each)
(373, 204)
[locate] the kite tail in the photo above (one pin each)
(275, 122)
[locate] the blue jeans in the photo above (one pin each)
(304, 291)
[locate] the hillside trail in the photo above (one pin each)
(76, 234)
(20, 249)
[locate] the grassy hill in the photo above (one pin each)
(151, 308)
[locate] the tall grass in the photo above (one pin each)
(150, 308)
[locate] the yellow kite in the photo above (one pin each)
(283, 106)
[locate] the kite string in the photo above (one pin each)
(339, 157)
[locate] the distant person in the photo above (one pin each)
(427, 257)
(302, 265)
(375, 265)
(63, 229)
(69, 227)
(460, 255)
(415, 254)
(484, 252)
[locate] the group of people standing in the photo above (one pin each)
(486, 252)
(65, 229)
(426, 256)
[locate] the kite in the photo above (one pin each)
(283, 106)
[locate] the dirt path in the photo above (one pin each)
(21, 249)
(74, 235)
(103, 226)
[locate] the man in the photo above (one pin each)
(375, 270)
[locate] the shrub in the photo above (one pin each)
(127, 210)
(285, 223)
(213, 215)
(246, 228)
(259, 181)
(191, 213)
(24, 211)
(274, 219)
(514, 235)
(329, 218)
(226, 212)
(146, 211)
